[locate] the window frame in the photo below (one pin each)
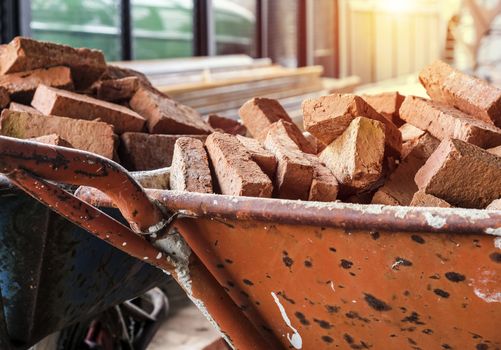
(15, 18)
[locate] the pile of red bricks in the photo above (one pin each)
(385, 149)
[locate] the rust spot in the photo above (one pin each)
(375, 303)
(323, 324)
(248, 282)
(244, 294)
(355, 316)
(287, 260)
(348, 338)
(454, 276)
(400, 262)
(332, 249)
(228, 261)
(220, 266)
(346, 264)
(496, 257)
(446, 346)
(427, 331)
(418, 239)
(440, 292)
(308, 263)
(283, 295)
(375, 235)
(482, 346)
(435, 277)
(413, 318)
(302, 319)
(332, 309)
(231, 284)
(327, 339)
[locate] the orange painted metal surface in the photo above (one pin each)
(292, 274)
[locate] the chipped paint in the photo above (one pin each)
(486, 286)
(497, 242)
(435, 221)
(295, 340)
(493, 231)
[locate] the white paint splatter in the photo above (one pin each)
(434, 221)
(296, 340)
(487, 296)
(497, 242)
(159, 256)
(493, 231)
(332, 286)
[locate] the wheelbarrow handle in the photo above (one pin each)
(77, 167)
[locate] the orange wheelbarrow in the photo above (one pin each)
(281, 274)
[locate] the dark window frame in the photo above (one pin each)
(15, 18)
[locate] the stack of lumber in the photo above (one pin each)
(383, 149)
(222, 84)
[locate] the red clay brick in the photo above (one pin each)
(190, 167)
(259, 113)
(443, 122)
(237, 174)
(400, 187)
(18, 107)
(24, 54)
(165, 116)
(410, 137)
(92, 136)
(462, 174)
(117, 89)
(227, 125)
(294, 171)
(4, 97)
(356, 157)
(53, 139)
(296, 135)
(469, 94)
(264, 158)
(329, 116)
(139, 151)
(495, 150)
(495, 205)
(324, 186)
(387, 104)
(72, 105)
(21, 86)
(422, 199)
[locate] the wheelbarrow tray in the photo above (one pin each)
(334, 275)
(54, 274)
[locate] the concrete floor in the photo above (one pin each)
(185, 329)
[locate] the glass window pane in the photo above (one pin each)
(162, 28)
(235, 26)
(88, 23)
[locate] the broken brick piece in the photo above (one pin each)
(387, 104)
(4, 97)
(356, 157)
(264, 158)
(91, 136)
(296, 135)
(462, 174)
(63, 103)
(294, 171)
(53, 139)
(259, 113)
(140, 151)
(495, 205)
(21, 86)
(166, 116)
(227, 125)
(18, 107)
(237, 174)
(443, 122)
(329, 116)
(495, 150)
(471, 95)
(422, 199)
(317, 144)
(400, 187)
(324, 186)
(117, 89)
(190, 167)
(24, 54)
(410, 137)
